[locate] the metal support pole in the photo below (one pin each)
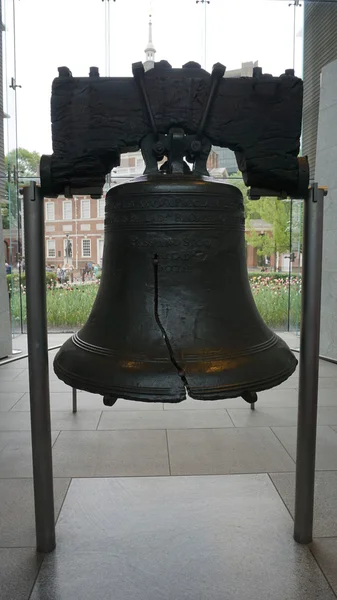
(74, 400)
(309, 363)
(38, 368)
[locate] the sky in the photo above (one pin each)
(53, 33)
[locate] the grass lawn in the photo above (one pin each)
(69, 307)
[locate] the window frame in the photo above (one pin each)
(48, 204)
(88, 240)
(64, 203)
(100, 203)
(48, 249)
(87, 200)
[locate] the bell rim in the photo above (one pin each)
(168, 395)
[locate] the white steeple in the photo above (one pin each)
(150, 50)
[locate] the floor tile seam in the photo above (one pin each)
(283, 446)
(64, 498)
(152, 475)
(70, 412)
(31, 477)
(67, 429)
(20, 547)
(230, 428)
(30, 594)
(84, 410)
(260, 426)
(229, 416)
(27, 477)
(53, 430)
(168, 453)
(22, 395)
(321, 570)
(105, 476)
(20, 373)
(279, 494)
(99, 420)
(175, 428)
(57, 437)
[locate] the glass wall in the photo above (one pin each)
(41, 36)
(11, 206)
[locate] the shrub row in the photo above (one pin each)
(272, 275)
(13, 279)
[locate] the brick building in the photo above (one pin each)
(74, 231)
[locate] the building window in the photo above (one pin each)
(85, 209)
(86, 248)
(51, 248)
(50, 211)
(100, 208)
(67, 210)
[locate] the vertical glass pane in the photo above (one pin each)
(295, 266)
(13, 222)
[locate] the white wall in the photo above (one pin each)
(326, 174)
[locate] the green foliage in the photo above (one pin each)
(27, 165)
(272, 211)
(5, 215)
(51, 278)
(272, 294)
(13, 280)
(68, 307)
(272, 276)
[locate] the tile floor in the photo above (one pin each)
(188, 502)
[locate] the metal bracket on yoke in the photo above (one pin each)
(301, 193)
(177, 145)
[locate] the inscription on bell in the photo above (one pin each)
(172, 242)
(155, 218)
(169, 201)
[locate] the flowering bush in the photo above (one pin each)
(13, 280)
(275, 297)
(69, 304)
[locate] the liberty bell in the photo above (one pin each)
(174, 314)
(174, 311)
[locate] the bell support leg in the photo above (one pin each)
(309, 363)
(74, 400)
(38, 368)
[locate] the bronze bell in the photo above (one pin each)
(174, 312)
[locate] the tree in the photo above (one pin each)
(272, 210)
(21, 165)
(27, 163)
